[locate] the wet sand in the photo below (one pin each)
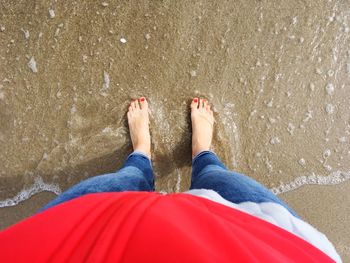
(277, 75)
(326, 208)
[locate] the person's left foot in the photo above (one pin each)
(138, 125)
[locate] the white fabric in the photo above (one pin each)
(279, 216)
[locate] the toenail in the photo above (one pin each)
(142, 99)
(195, 100)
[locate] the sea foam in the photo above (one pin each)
(334, 178)
(38, 186)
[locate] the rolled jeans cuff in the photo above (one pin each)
(135, 153)
(200, 154)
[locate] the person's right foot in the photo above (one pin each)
(138, 125)
(202, 126)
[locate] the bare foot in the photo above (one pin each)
(138, 125)
(202, 126)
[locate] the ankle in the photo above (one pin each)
(143, 150)
(198, 150)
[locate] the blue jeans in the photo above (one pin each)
(208, 172)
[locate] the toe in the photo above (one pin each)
(136, 104)
(131, 105)
(205, 103)
(201, 103)
(143, 103)
(194, 104)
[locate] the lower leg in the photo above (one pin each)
(142, 162)
(208, 172)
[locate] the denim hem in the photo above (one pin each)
(139, 153)
(200, 154)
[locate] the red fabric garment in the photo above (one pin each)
(150, 227)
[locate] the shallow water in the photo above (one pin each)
(277, 75)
